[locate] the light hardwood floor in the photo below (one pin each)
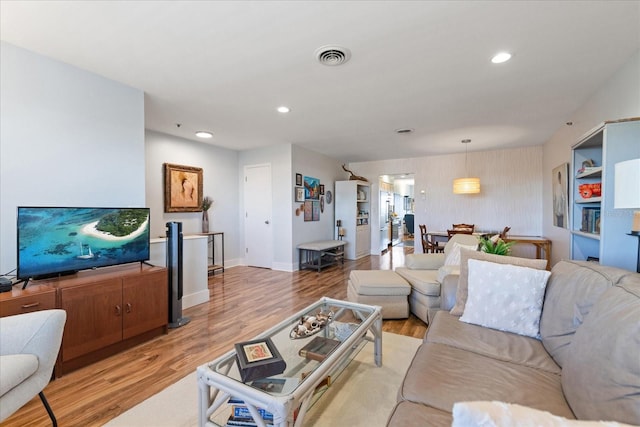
(244, 301)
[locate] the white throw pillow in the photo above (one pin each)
(453, 254)
(500, 414)
(505, 297)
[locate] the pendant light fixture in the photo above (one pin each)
(466, 185)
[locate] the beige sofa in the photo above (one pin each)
(586, 364)
(426, 272)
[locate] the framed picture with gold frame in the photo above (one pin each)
(182, 188)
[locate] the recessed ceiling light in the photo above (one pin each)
(204, 134)
(501, 57)
(283, 109)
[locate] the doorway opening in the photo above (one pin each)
(397, 208)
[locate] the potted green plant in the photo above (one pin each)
(495, 245)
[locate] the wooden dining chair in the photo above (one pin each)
(464, 228)
(427, 244)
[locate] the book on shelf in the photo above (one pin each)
(590, 220)
(318, 348)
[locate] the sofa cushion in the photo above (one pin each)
(422, 281)
(573, 288)
(601, 372)
(465, 255)
(501, 414)
(505, 297)
(446, 270)
(378, 282)
(414, 414)
(441, 375)
(447, 329)
(14, 369)
(452, 257)
(424, 261)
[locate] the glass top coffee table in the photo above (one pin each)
(286, 396)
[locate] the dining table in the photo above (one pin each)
(542, 244)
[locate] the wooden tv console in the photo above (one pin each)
(108, 310)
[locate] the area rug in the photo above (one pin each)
(363, 395)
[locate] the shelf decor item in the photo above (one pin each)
(258, 359)
(588, 191)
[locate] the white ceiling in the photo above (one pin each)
(225, 66)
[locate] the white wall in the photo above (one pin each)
(328, 170)
(219, 172)
(511, 190)
(68, 138)
(618, 98)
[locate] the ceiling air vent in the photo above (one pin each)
(333, 55)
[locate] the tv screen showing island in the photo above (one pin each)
(63, 240)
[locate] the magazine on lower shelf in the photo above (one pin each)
(241, 416)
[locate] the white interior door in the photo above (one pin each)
(258, 234)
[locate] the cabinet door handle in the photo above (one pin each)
(33, 304)
(128, 307)
(118, 310)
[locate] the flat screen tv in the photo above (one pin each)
(63, 240)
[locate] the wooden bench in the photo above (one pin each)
(321, 254)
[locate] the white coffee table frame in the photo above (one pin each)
(215, 387)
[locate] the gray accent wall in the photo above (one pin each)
(68, 137)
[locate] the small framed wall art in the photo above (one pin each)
(298, 179)
(182, 188)
(299, 194)
(311, 188)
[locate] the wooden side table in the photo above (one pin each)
(211, 240)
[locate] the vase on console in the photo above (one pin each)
(205, 222)
(206, 204)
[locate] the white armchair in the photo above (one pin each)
(426, 272)
(29, 346)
